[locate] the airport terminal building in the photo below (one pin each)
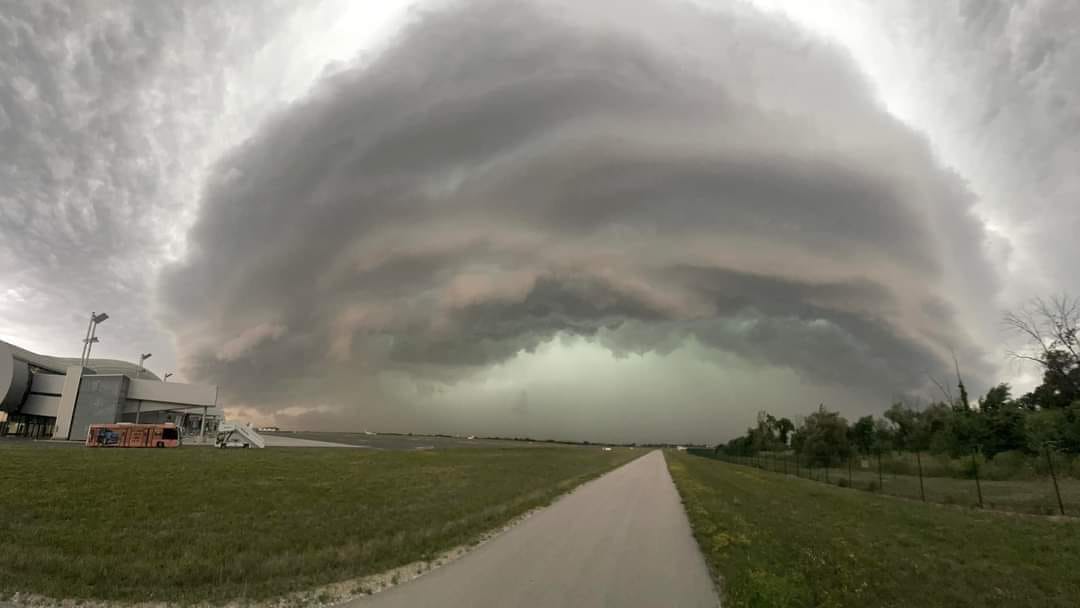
(45, 397)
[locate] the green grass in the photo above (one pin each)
(203, 525)
(781, 541)
(1034, 496)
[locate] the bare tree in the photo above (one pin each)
(944, 390)
(1051, 331)
(1047, 326)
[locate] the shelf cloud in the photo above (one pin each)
(508, 176)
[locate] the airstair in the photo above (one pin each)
(234, 435)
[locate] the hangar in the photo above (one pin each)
(46, 397)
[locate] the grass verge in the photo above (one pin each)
(1034, 495)
(200, 525)
(780, 541)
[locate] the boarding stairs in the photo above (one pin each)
(231, 433)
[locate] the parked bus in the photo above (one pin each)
(127, 435)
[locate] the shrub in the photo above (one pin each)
(1009, 465)
(969, 467)
(1073, 468)
(872, 486)
(843, 482)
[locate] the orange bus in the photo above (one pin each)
(127, 435)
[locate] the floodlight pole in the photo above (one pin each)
(90, 343)
(86, 341)
(142, 359)
(91, 336)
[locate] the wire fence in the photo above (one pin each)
(1042, 490)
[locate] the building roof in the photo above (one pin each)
(98, 366)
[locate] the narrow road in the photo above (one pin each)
(620, 540)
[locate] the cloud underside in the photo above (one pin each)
(508, 173)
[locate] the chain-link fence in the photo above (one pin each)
(1041, 484)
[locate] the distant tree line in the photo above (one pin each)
(1048, 416)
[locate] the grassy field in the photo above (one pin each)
(1034, 496)
(198, 524)
(782, 541)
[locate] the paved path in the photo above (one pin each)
(621, 540)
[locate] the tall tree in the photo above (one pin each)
(825, 438)
(863, 435)
(905, 426)
(996, 398)
(1050, 329)
(784, 428)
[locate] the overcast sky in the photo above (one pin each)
(614, 219)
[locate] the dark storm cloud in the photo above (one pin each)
(640, 174)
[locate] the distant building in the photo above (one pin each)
(46, 397)
(268, 429)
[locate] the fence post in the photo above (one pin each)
(797, 474)
(880, 479)
(828, 464)
(785, 463)
(1053, 475)
(922, 489)
(975, 469)
(849, 471)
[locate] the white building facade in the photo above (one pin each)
(44, 397)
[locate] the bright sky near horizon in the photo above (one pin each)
(610, 219)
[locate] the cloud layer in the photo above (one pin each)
(509, 174)
(110, 114)
(103, 132)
